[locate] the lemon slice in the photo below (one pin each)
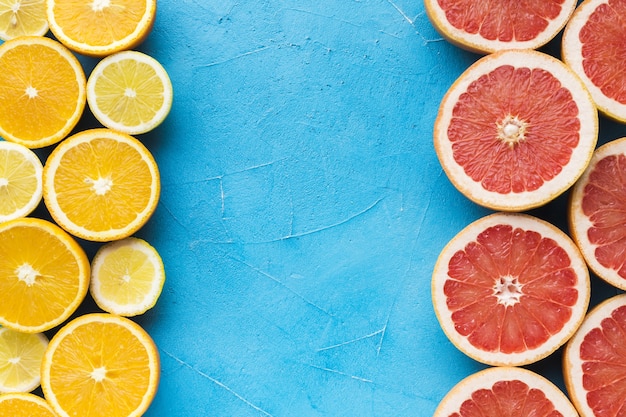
(20, 360)
(20, 181)
(22, 18)
(130, 92)
(127, 277)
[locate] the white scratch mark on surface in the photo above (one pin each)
(404, 15)
(216, 382)
(334, 371)
(358, 339)
(233, 58)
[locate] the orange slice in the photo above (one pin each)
(101, 27)
(20, 360)
(482, 27)
(44, 275)
(515, 130)
(20, 181)
(597, 213)
(101, 185)
(24, 405)
(22, 18)
(510, 289)
(100, 365)
(594, 361)
(42, 85)
(130, 92)
(127, 277)
(594, 46)
(505, 392)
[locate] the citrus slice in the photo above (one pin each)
(20, 360)
(101, 185)
(593, 45)
(515, 130)
(127, 277)
(44, 275)
(505, 392)
(42, 85)
(20, 181)
(100, 365)
(22, 18)
(101, 27)
(510, 289)
(597, 213)
(24, 405)
(129, 91)
(483, 27)
(594, 361)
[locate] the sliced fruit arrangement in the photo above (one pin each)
(510, 289)
(505, 392)
(597, 213)
(22, 18)
(515, 130)
(21, 174)
(594, 46)
(20, 360)
(594, 361)
(484, 27)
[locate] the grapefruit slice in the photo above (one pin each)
(505, 392)
(594, 46)
(594, 361)
(483, 27)
(597, 213)
(510, 289)
(515, 130)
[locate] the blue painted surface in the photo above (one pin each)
(303, 209)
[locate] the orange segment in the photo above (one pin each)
(42, 86)
(44, 275)
(24, 405)
(101, 185)
(101, 27)
(100, 365)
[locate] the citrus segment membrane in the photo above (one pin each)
(22, 18)
(510, 289)
(515, 130)
(20, 360)
(21, 174)
(597, 213)
(593, 45)
(484, 27)
(505, 392)
(24, 405)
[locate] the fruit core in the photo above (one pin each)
(27, 274)
(4, 182)
(512, 130)
(99, 5)
(98, 374)
(31, 91)
(101, 186)
(508, 290)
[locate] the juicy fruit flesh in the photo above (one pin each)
(521, 140)
(504, 20)
(18, 182)
(604, 203)
(603, 356)
(604, 47)
(25, 405)
(127, 276)
(507, 399)
(499, 282)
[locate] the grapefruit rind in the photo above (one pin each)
(580, 223)
(475, 42)
(571, 50)
(469, 234)
(486, 378)
(572, 364)
(581, 154)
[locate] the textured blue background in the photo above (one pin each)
(303, 209)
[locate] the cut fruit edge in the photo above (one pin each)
(36, 163)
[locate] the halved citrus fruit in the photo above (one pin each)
(22, 18)
(594, 46)
(20, 181)
(515, 130)
(100, 365)
(100, 27)
(42, 85)
(129, 91)
(44, 275)
(127, 277)
(594, 361)
(597, 213)
(510, 289)
(24, 405)
(505, 392)
(483, 27)
(20, 360)
(101, 185)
